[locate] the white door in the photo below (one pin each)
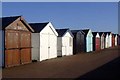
(67, 46)
(44, 47)
(52, 46)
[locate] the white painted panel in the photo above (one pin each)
(43, 47)
(52, 43)
(106, 41)
(67, 44)
(49, 29)
(116, 40)
(98, 35)
(110, 40)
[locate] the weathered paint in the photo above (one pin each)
(17, 41)
(89, 41)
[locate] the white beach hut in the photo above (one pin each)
(44, 41)
(64, 42)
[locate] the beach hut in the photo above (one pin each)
(106, 40)
(44, 41)
(17, 44)
(64, 42)
(96, 41)
(113, 40)
(102, 40)
(116, 39)
(110, 38)
(88, 40)
(118, 42)
(78, 41)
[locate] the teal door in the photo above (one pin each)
(89, 44)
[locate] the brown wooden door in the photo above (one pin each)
(18, 47)
(113, 41)
(25, 45)
(12, 54)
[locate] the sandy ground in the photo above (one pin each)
(64, 67)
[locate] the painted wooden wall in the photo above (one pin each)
(102, 42)
(110, 40)
(106, 41)
(116, 38)
(35, 46)
(89, 42)
(67, 44)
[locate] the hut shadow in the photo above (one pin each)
(109, 71)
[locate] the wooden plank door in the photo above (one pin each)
(25, 47)
(12, 54)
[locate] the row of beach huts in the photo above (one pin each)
(22, 42)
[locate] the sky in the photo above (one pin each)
(97, 16)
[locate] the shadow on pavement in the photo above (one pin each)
(109, 71)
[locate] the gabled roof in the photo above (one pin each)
(101, 33)
(76, 31)
(5, 21)
(107, 33)
(37, 27)
(86, 31)
(94, 33)
(62, 32)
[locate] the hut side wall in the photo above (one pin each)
(74, 43)
(35, 46)
(59, 46)
(102, 42)
(1, 48)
